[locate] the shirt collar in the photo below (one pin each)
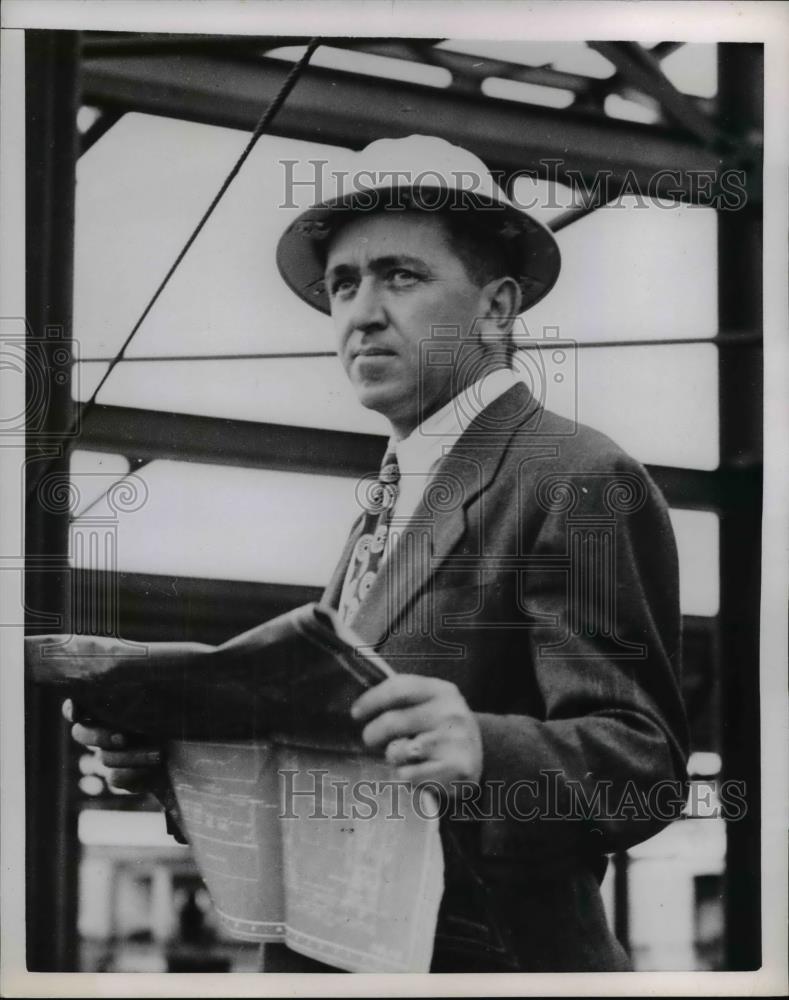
(417, 453)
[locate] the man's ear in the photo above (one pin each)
(500, 303)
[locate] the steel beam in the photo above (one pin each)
(621, 866)
(50, 773)
(108, 43)
(643, 71)
(346, 109)
(468, 71)
(740, 94)
(100, 127)
(207, 610)
(160, 607)
(148, 435)
(145, 435)
(469, 68)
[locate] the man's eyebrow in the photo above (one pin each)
(339, 269)
(378, 264)
(396, 260)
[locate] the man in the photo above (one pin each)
(519, 574)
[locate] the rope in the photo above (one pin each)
(266, 118)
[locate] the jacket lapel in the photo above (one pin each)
(440, 521)
(331, 595)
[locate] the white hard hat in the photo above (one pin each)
(420, 172)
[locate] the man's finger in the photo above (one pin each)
(96, 736)
(431, 772)
(130, 779)
(146, 757)
(404, 722)
(410, 751)
(73, 713)
(401, 751)
(395, 692)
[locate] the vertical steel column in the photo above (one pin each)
(740, 95)
(622, 900)
(51, 69)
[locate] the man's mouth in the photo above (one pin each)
(373, 352)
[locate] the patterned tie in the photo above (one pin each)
(379, 500)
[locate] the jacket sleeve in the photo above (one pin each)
(604, 765)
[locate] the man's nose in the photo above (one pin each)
(367, 310)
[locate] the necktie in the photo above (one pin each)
(380, 497)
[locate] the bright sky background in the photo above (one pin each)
(629, 273)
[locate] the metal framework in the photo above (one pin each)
(741, 96)
(226, 81)
(219, 89)
(51, 152)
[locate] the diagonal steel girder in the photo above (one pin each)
(643, 70)
(345, 109)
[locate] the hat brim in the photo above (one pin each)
(531, 246)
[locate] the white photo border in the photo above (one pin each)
(642, 21)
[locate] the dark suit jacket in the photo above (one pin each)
(539, 574)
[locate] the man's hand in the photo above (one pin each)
(425, 728)
(128, 765)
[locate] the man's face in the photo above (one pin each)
(391, 278)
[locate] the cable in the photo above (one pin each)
(744, 339)
(265, 120)
(244, 356)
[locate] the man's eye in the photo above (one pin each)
(401, 277)
(341, 286)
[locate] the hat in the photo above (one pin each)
(418, 172)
